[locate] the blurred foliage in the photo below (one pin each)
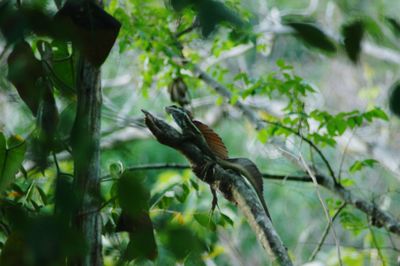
(163, 217)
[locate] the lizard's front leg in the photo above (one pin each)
(206, 173)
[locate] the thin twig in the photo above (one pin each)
(56, 164)
(194, 25)
(376, 245)
(324, 207)
(344, 155)
(309, 142)
(326, 231)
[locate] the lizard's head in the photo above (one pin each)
(180, 115)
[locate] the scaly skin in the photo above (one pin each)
(184, 120)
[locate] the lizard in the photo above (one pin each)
(211, 144)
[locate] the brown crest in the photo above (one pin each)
(213, 140)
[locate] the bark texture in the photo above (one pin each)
(232, 185)
(85, 142)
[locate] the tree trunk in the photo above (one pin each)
(85, 140)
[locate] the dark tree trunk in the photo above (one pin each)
(85, 140)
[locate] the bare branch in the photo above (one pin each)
(325, 234)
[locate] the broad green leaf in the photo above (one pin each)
(205, 220)
(24, 70)
(394, 99)
(66, 121)
(352, 37)
(359, 165)
(181, 241)
(395, 25)
(225, 219)
(12, 154)
(132, 195)
(262, 135)
(351, 221)
(313, 35)
(211, 13)
(142, 242)
(63, 68)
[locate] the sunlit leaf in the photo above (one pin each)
(359, 165)
(12, 154)
(205, 220)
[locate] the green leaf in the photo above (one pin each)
(42, 194)
(211, 13)
(66, 121)
(46, 126)
(142, 242)
(376, 113)
(262, 135)
(347, 182)
(181, 241)
(194, 184)
(341, 126)
(63, 68)
(395, 25)
(181, 192)
(282, 65)
(24, 70)
(226, 219)
(352, 35)
(234, 99)
(205, 220)
(12, 154)
(132, 195)
(394, 99)
(313, 35)
(219, 101)
(359, 165)
(351, 221)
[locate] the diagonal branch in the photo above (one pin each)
(379, 218)
(229, 183)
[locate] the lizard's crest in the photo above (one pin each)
(213, 140)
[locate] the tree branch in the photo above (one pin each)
(379, 218)
(161, 166)
(233, 187)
